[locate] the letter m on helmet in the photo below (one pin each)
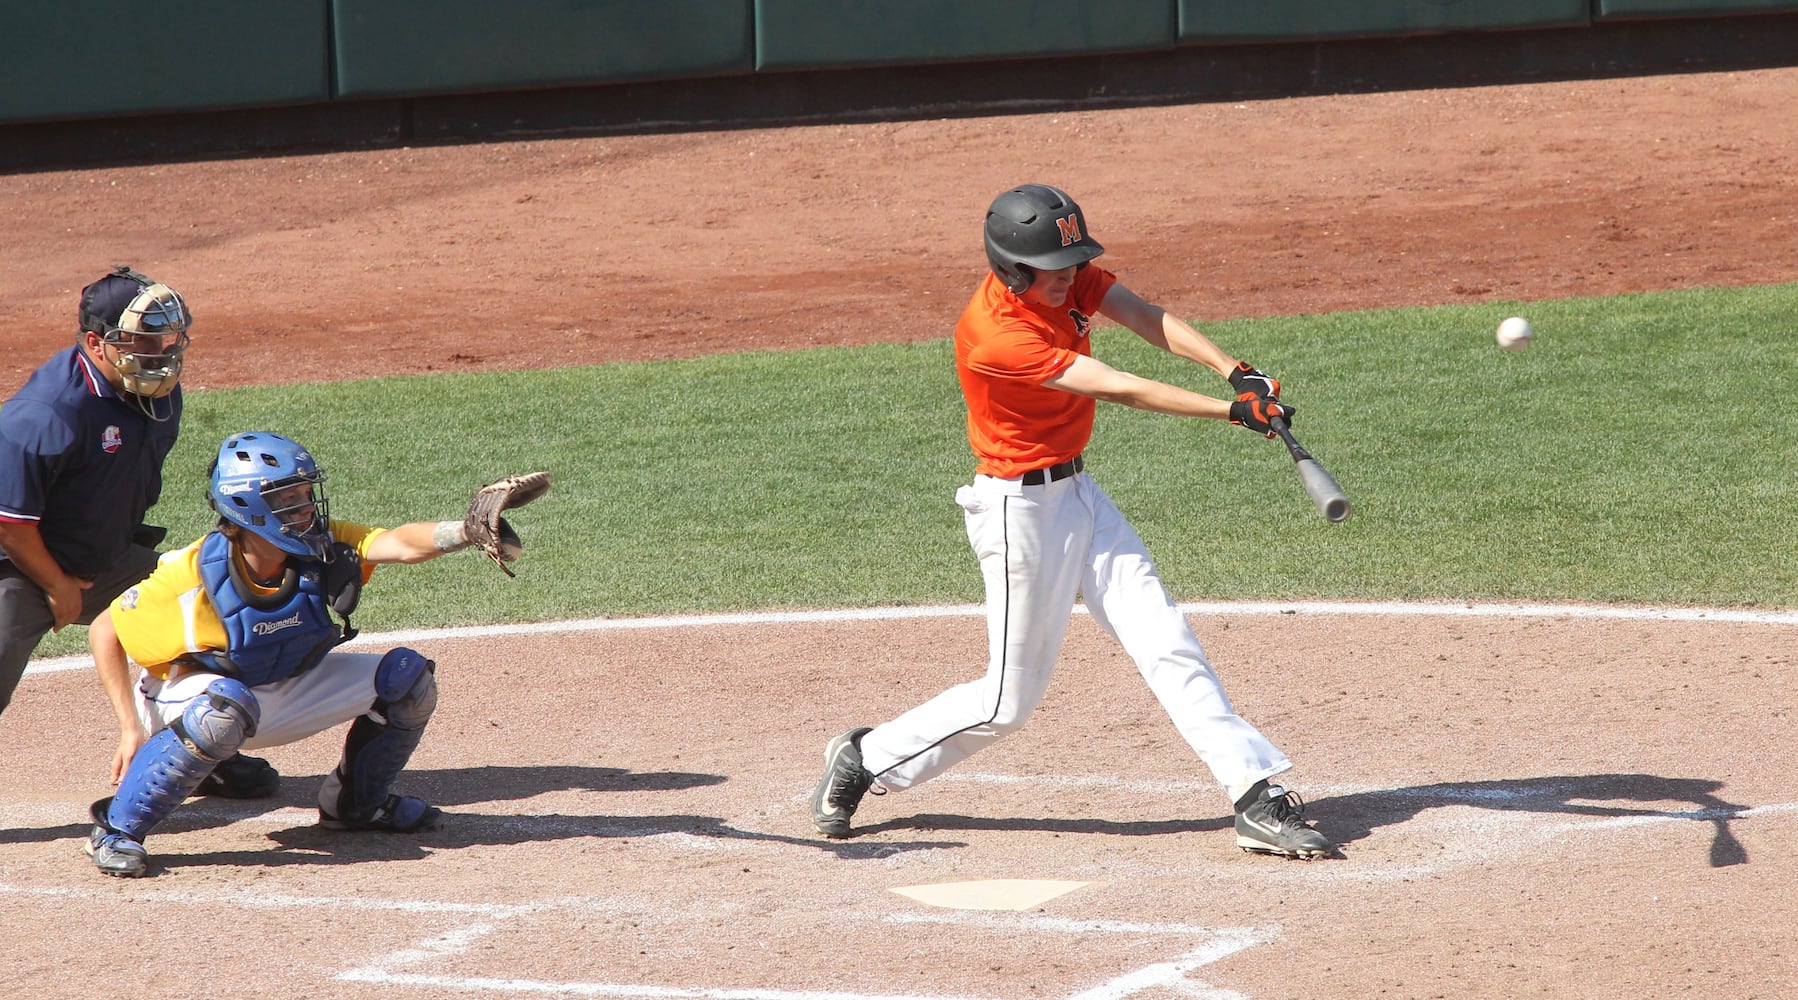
(1070, 230)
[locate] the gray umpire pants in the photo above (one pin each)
(25, 616)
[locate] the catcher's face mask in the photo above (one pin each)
(299, 506)
(147, 344)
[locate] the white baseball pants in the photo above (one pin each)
(337, 690)
(1039, 547)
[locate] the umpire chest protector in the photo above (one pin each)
(271, 637)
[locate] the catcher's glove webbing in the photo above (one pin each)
(487, 530)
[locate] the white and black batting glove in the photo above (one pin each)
(1257, 413)
(1251, 382)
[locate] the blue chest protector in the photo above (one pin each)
(270, 638)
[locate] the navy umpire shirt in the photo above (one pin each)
(82, 461)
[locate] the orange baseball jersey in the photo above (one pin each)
(1004, 349)
(169, 614)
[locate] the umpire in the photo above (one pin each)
(82, 447)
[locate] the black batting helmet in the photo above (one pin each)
(1033, 228)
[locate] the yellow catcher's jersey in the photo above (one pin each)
(169, 613)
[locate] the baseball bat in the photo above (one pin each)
(1318, 482)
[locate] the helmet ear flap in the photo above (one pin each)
(1021, 278)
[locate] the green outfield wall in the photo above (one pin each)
(836, 34)
(1611, 10)
(396, 48)
(100, 80)
(1231, 21)
(80, 58)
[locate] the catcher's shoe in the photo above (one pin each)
(399, 814)
(114, 853)
(1271, 820)
(844, 783)
(241, 777)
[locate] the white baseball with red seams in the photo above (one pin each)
(1514, 334)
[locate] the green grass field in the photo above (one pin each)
(1640, 452)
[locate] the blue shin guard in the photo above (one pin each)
(357, 795)
(168, 767)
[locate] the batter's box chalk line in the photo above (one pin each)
(1215, 943)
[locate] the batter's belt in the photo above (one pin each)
(1055, 473)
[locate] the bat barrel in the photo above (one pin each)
(1318, 482)
(1324, 492)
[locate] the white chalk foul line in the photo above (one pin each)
(1173, 975)
(1037, 923)
(262, 900)
(1255, 608)
(1219, 942)
(633, 991)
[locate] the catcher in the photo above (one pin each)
(235, 636)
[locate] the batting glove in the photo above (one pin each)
(1250, 382)
(1257, 413)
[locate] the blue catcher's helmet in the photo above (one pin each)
(274, 488)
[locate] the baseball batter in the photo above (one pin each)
(1044, 532)
(236, 637)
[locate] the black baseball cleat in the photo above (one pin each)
(1271, 820)
(844, 783)
(114, 852)
(398, 814)
(241, 777)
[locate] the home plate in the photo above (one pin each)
(990, 894)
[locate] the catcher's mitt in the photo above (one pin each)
(487, 530)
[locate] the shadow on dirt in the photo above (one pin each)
(451, 788)
(1349, 818)
(1104, 827)
(454, 786)
(1354, 817)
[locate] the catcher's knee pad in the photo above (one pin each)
(172, 763)
(218, 722)
(406, 688)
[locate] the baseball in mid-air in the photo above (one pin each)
(1514, 334)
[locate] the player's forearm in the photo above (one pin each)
(1163, 329)
(1159, 397)
(1180, 338)
(1090, 377)
(24, 545)
(114, 670)
(416, 542)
